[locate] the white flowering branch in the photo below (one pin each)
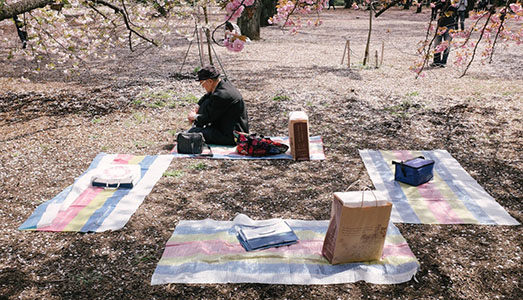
(127, 21)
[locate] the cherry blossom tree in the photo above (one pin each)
(74, 31)
(52, 33)
(489, 28)
(71, 32)
(55, 32)
(290, 13)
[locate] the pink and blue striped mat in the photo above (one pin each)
(451, 197)
(229, 152)
(207, 251)
(84, 208)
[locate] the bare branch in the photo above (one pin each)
(476, 47)
(130, 41)
(8, 11)
(501, 27)
(426, 52)
(98, 11)
(470, 31)
(386, 8)
(127, 14)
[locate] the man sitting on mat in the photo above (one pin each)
(220, 111)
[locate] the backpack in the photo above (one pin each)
(255, 145)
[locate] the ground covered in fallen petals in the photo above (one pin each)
(52, 126)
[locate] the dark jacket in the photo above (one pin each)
(224, 111)
(447, 15)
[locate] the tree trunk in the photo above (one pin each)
(268, 9)
(207, 33)
(8, 11)
(348, 3)
(249, 22)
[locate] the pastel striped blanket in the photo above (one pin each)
(451, 197)
(208, 251)
(229, 152)
(84, 208)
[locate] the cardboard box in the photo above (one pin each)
(299, 135)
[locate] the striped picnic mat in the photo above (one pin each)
(208, 251)
(451, 197)
(229, 152)
(84, 208)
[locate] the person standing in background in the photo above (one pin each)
(331, 3)
(446, 22)
(462, 11)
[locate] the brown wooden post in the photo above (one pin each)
(201, 47)
(376, 56)
(346, 50)
(382, 52)
(348, 53)
(198, 43)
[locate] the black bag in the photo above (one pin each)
(191, 143)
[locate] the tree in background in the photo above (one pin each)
(489, 28)
(250, 21)
(290, 13)
(74, 31)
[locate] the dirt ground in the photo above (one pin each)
(52, 126)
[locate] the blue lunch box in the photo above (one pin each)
(414, 171)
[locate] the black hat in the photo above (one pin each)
(207, 72)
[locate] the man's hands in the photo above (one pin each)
(191, 116)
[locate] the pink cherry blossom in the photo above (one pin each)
(441, 47)
(516, 7)
(237, 45)
(233, 11)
